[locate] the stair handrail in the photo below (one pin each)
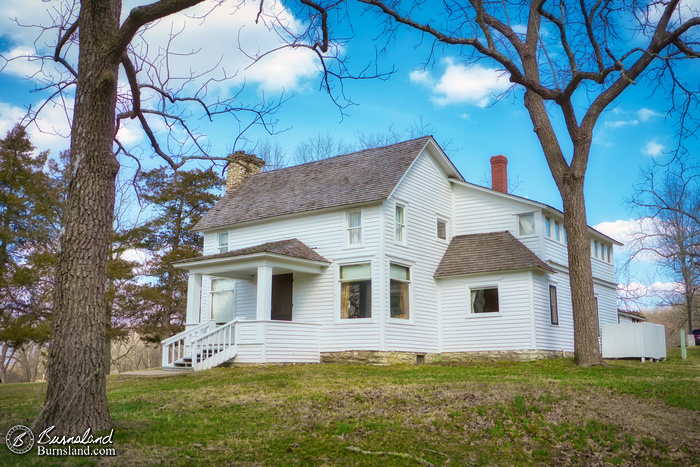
(180, 344)
(186, 332)
(219, 341)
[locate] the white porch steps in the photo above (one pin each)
(200, 348)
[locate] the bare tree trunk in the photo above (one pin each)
(76, 396)
(586, 323)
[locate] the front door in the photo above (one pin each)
(282, 297)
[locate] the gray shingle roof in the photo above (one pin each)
(488, 252)
(292, 247)
(360, 177)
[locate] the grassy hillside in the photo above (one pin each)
(542, 413)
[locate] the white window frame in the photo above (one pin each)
(400, 232)
(348, 229)
(437, 229)
(547, 226)
(534, 224)
(213, 292)
(339, 306)
(411, 313)
(490, 285)
(556, 304)
(222, 247)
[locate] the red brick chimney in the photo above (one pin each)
(499, 173)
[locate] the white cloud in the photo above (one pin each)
(645, 114)
(460, 84)
(199, 42)
(653, 148)
(634, 234)
(50, 131)
(621, 123)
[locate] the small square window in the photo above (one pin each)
(441, 229)
(484, 300)
(526, 224)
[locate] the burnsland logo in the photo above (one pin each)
(20, 440)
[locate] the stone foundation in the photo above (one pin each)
(375, 357)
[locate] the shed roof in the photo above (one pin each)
(487, 252)
(292, 248)
(359, 177)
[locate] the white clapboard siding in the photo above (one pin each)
(507, 330)
(549, 336)
(607, 303)
(292, 342)
(425, 193)
(245, 299)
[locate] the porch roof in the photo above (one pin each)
(284, 256)
(487, 252)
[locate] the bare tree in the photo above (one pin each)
(569, 60)
(668, 199)
(91, 47)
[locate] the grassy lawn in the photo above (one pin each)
(542, 413)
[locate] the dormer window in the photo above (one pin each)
(354, 228)
(526, 224)
(223, 242)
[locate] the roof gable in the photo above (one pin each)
(359, 177)
(487, 252)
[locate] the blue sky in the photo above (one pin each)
(456, 101)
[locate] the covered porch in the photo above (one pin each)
(218, 332)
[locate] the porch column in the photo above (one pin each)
(194, 299)
(263, 309)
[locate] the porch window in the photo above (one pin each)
(222, 303)
(400, 224)
(354, 228)
(484, 300)
(399, 291)
(526, 224)
(223, 242)
(356, 291)
(553, 308)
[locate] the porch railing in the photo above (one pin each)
(179, 346)
(215, 346)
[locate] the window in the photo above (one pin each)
(222, 303)
(399, 290)
(595, 249)
(563, 234)
(484, 300)
(526, 224)
(400, 224)
(553, 309)
(356, 291)
(442, 229)
(354, 228)
(223, 242)
(609, 248)
(556, 232)
(547, 226)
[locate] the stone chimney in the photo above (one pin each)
(499, 174)
(240, 167)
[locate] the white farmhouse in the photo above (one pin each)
(383, 255)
